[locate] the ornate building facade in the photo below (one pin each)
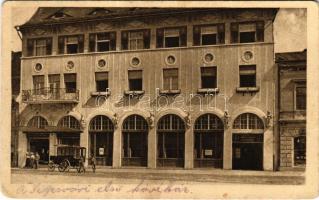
(156, 88)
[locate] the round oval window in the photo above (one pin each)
(171, 59)
(135, 61)
(248, 55)
(70, 65)
(209, 57)
(101, 63)
(38, 67)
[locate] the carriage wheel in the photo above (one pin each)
(64, 166)
(67, 165)
(51, 166)
(80, 169)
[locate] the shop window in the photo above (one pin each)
(38, 84)
(39, 46)
(71, 44)
(38, 122)
(209, 34)
(135, 80)
(171, 37)
(100, 42)
(300, 97)
(300, 150)
(136, 39)
(101, 81)
(247, 76)
(248, 121)
(70, 83)
(247, 32)
(208, 77)
(170, 79)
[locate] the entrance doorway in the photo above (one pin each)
(171, 141)
(135, 132)
(101, 140)
(248, 142)
(40, 145)
(248, 151)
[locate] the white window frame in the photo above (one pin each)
(172, 35)
(136, 39)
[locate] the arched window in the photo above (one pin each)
(38, 122)
(101, 123)
(248, 121)
(171, 123)
(69, 122)
(209, 122)
(135, 123)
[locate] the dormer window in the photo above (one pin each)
(247, 32)
(100, 42)
(71, 44)
(99, 11)
(58, 15)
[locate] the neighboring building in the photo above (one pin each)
(151, 87)
(292, 74)
(15, 83)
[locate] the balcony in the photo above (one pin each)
(50, 95)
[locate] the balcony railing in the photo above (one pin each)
(297, 115)
(50, 95)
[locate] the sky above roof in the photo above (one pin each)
(290, 28)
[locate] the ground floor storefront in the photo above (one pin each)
(293, 146)
(167, 141)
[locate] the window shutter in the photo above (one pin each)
(260, 31)
(183, 35)
(48, 46)
(30, 45)
(92, 42)
(159, 37)
(61, 44)
(69, 78)
(196, 36)
(124, 40)
(221, 33)
(113, 41)
(146, 37)
(101, 76)
(136, 74)
(234, 32)
(81, 43)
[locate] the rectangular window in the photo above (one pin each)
(171, 37)
(39, 46)
(100, 42)
(301, 100)
(209, 77)
(38, 84)
(135, 80)
(136, 39)
(71, 44)
(209, 34)
(54, 83)
(70, 83)
(101, 80)
(247, 32)
(247, 75)
(170, 79)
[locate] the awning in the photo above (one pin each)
(49, 129)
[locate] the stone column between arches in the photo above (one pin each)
(268, 150)
(189, 148)
(22, 150)
(117, 148)
(152, 148)
(227, 149)
(84, 142)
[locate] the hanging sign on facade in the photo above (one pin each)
(101, 151)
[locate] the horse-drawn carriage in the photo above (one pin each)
(68, 157)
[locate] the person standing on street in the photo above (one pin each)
(37, 158)
(93, 163)
(32, 160)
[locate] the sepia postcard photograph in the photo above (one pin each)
(159, 99)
